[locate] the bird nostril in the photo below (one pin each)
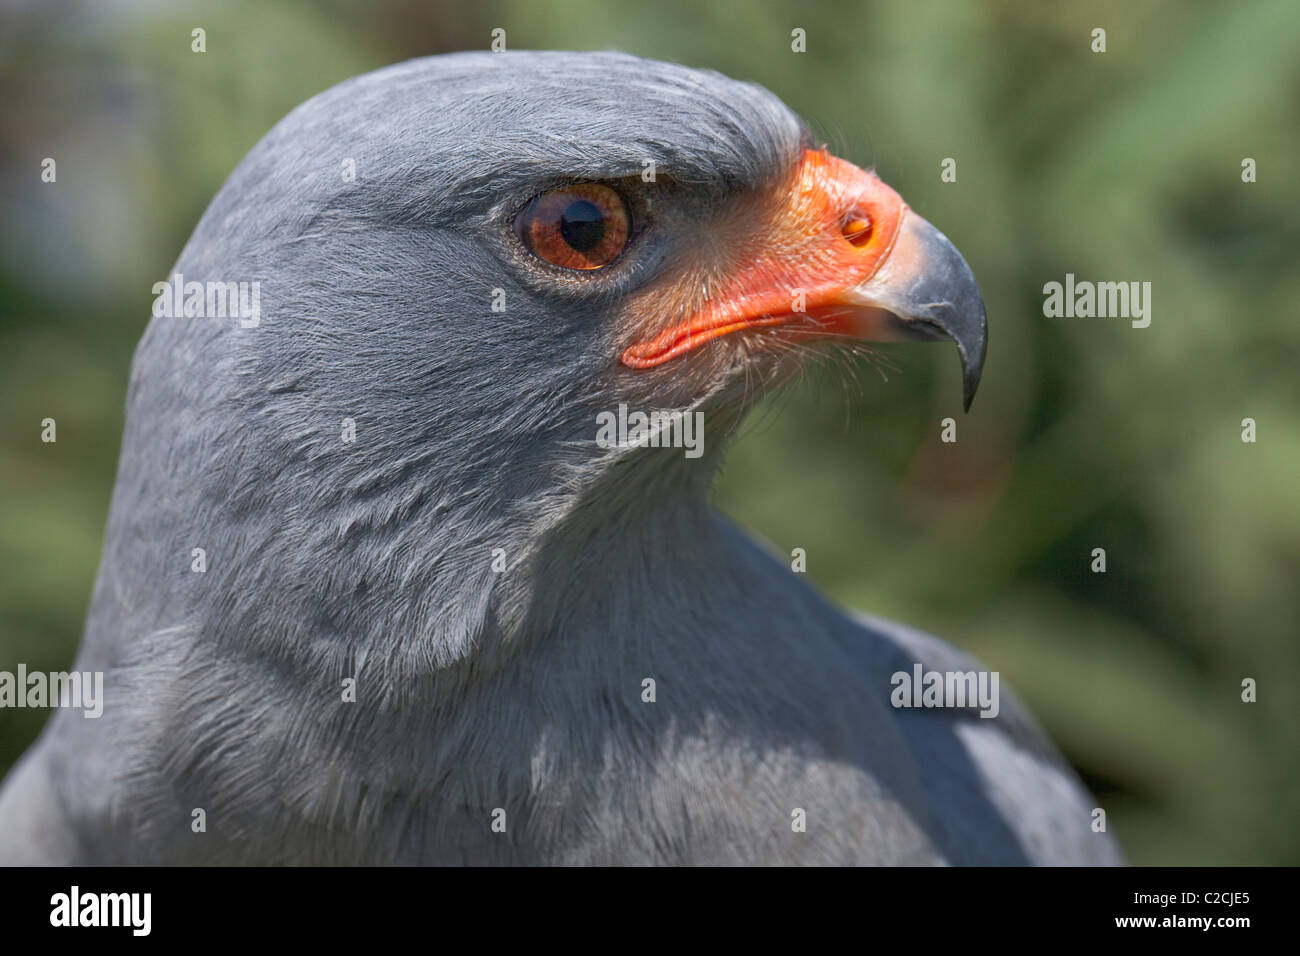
(857, 228)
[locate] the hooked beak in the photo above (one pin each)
(930, 294)
(843, 255)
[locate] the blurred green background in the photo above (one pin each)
(1087, 433)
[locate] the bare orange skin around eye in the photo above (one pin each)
(836, 225)
(540, 226)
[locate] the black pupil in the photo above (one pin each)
(582, 225)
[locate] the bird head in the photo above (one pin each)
(473, 256)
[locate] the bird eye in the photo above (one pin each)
(578, 227)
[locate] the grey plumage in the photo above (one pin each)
(479, 689)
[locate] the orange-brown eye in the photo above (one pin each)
(578, 227)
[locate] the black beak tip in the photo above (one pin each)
(972, 361)
(947, 299)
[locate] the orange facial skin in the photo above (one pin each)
(837, 228)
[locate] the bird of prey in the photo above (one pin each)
(372, 591)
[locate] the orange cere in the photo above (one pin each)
(835, 229)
